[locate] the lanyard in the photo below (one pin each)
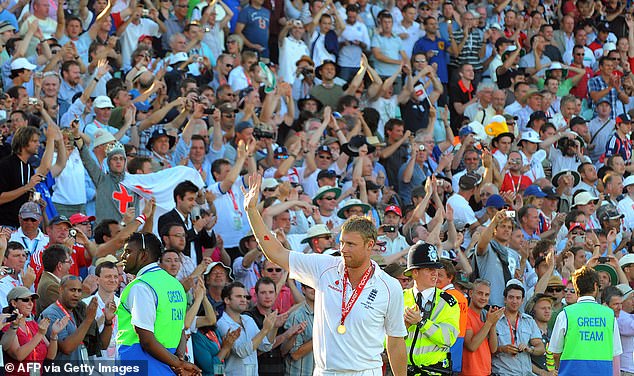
(519, 183)
(347, 307)
(97, 124)
(512, 330)
(29, 335)
(28, 172)
(35, 241)
(233, 200)
(70, 317)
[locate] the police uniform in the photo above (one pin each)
(587, 337)
(429, 341)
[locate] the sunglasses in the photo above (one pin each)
(228, 115)
(420, 61)
(25, 300)
(283, 156)
(271, 270)
(328, 198)
(324, 157)
(571, 291)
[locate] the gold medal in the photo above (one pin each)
(341, 329)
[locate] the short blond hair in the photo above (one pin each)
(362, 226)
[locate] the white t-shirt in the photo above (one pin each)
(378, 312)
(291, 51)
(131, 35)
(69, 188)
(111, 352)
(232, 222)
(238, 79)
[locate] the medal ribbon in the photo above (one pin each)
(346, 308)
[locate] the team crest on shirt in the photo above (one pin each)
(441, 45)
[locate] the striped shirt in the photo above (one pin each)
(470, 53)
(303, 366)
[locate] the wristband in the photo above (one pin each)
(142, 218)
(96, 79)
(107, 323)
(53, 339)
(77, 138)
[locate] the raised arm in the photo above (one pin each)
(272, 248)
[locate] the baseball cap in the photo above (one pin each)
(626, 290)
(59, 219)
(495, 201)
(20, 292)
(22, 63)
(550, 192)
(531, 136)
(575, 225)
(80, 218)
(607, 212)
(534, 190)
(623, 118)
(515, 282)
(242, 126)
(468, 181)
(465, 131)
(394, 209)
(324, 149)
(31, 210)
(102, 101)
(269, 183)
(280, 151)
(102, 136)
(372, 186)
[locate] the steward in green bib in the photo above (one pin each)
(152, 311)
(585, 338)
(432, 316)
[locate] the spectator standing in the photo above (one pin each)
(519, 338)
(242, 361)
(481, 340)
(253, 26)
(80, 338)
(300, 360)
(387, 49)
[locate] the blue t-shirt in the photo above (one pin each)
(441, 54)
(256, 26)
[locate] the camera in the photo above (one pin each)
(145, 12)
(604, 260)
(196, 212)
(260, 133)
(388, 228)
(307, 71)
(72, 232)
(12, 318)
(32, 101)
(200, 59)
(510, 213)
(7, 271)
(207, 30)
(421, 147)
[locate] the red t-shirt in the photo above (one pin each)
(38, 355)
(512, 183)
(581, 89)
(79, 261)
(477, 363)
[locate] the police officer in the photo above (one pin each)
(152, 311)
(431, 315)
(585, 338)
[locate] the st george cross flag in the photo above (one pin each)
(160, 185)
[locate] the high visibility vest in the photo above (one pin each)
(437, 334)
(588, 343)
(170, 309)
